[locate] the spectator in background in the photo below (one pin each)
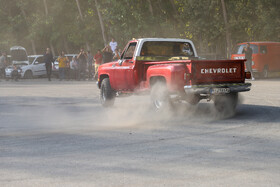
(3, 64)
(248, 55)
(120, 52)
(89, 61)
(48, 59)
(98, 61)
(113, 44)
(62, 61)
(15, 75)
(107, 54)
(117, 55)
(67, 69)
(82, 58)
(74, 66)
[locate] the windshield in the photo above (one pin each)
(21, 64)
(31, 59)
(239, 48)
(167, 49)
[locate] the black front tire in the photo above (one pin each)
(107, 94)
(226, 104)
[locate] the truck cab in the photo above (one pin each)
(128, 74)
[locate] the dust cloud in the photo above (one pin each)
(85, 113)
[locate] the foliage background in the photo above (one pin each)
(37, 24)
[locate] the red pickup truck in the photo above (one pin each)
(171, 71)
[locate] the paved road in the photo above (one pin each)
(57, 134)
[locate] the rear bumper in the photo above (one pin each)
(207, 89)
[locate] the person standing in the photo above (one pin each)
(89, 62)
(98, 61)
(113, 44)
(248, 56)
(117, 55)
(74, 68)
(48, 58)
(67, 69)
(82, 58)
(3, 64)
(107, 54)
(14, 74)
(62, 62)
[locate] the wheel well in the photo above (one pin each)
(101, 78)
(27, 71)
(154, 80)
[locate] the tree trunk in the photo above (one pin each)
(173, 5)
(228, 43)
(33, 47)
(47, 13)
(52, 48)
(32, 41)
(65, 45)
(79, 8)
(151, 7)
(82, 18)
(46, 7)
(101, 23)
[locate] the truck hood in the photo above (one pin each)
(110, 64)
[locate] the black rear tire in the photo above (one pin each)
(160, 97)
(107, 94)
(226, 104)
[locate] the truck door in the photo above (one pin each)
(123, 73)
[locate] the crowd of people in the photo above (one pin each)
(83, 66)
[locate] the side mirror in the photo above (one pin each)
(120, 62)
(36, 62)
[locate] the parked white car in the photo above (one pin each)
(28, 66)
(33, 68)
(36, 67)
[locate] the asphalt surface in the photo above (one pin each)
(57, 134)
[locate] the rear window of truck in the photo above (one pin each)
(166, 49)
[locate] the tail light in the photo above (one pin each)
(248, 75)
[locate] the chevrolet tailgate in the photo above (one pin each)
(217, 71)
